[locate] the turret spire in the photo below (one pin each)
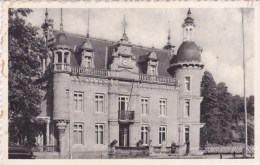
(189, 13)
(46, 14)
(88, 25)
(61, 23)
(169, 34)
(124, 38)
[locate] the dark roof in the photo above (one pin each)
(102, 57)
(61, 39)
(187, 52)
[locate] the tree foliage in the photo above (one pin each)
(223, 113)
(24, 48)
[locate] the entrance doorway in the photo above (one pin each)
(123, 135)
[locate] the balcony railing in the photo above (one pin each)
(126, 116)
(151, 78)
(89, 71)
(106, 73)
(62, 67)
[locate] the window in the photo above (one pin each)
(153, 70)
(187, 83)
(88, 60)
(78, 101)
(144, 104)
(123, 103)
(78, 133)
(66, 57)
(163, 107)
(187, 134)
(162, 134)
(187, 108)
(99, 133)
(144, 134)
(59, 57)
(99, 102)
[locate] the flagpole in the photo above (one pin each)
(244, 74)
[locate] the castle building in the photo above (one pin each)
(98, 91)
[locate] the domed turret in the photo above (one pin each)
(187, 52)
(61, 39)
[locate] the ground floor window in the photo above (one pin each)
(99, 133)
(187, 134)
(78, 133)
(162, 134)
(144, 134)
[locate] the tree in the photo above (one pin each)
(224, 105)
(209, 110)
(24, 48)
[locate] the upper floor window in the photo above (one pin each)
(78, 101)
(99, 102)
(99, 132)
(78, 133)
(123, 103)
(144, 104)
(187, 108)
(162, 134)
(163, 104)
(59, 57)
(187, 83)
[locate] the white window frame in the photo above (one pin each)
(186, 83)
(99, 138)
(99, 101)
(78, 101)
(144, 105)
(161, 132)
(187, 113)
(76, 134)
(144, 133)
(126, 101)
(163, 103)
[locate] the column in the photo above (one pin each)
(61, 127)
(48, 132)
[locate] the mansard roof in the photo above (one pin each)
(103, 50)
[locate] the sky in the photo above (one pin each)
(218, 32)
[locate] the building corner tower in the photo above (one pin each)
(187, 67)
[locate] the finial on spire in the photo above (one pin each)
(189, 12)
(46, 14)
(124, 25)
(169, 33)
(61, 23)
(88, 25)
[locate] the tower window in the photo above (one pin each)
(59, 54)
(187, 108)
(153, 70)
(187, 134)
(187, 83)
(66, 57)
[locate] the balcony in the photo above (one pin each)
(126, 117)
(89, 71)
(151, 78)
(62, 67)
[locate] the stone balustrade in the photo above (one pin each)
(95, 72)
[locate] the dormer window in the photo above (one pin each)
(153, 70)
(88, 61)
